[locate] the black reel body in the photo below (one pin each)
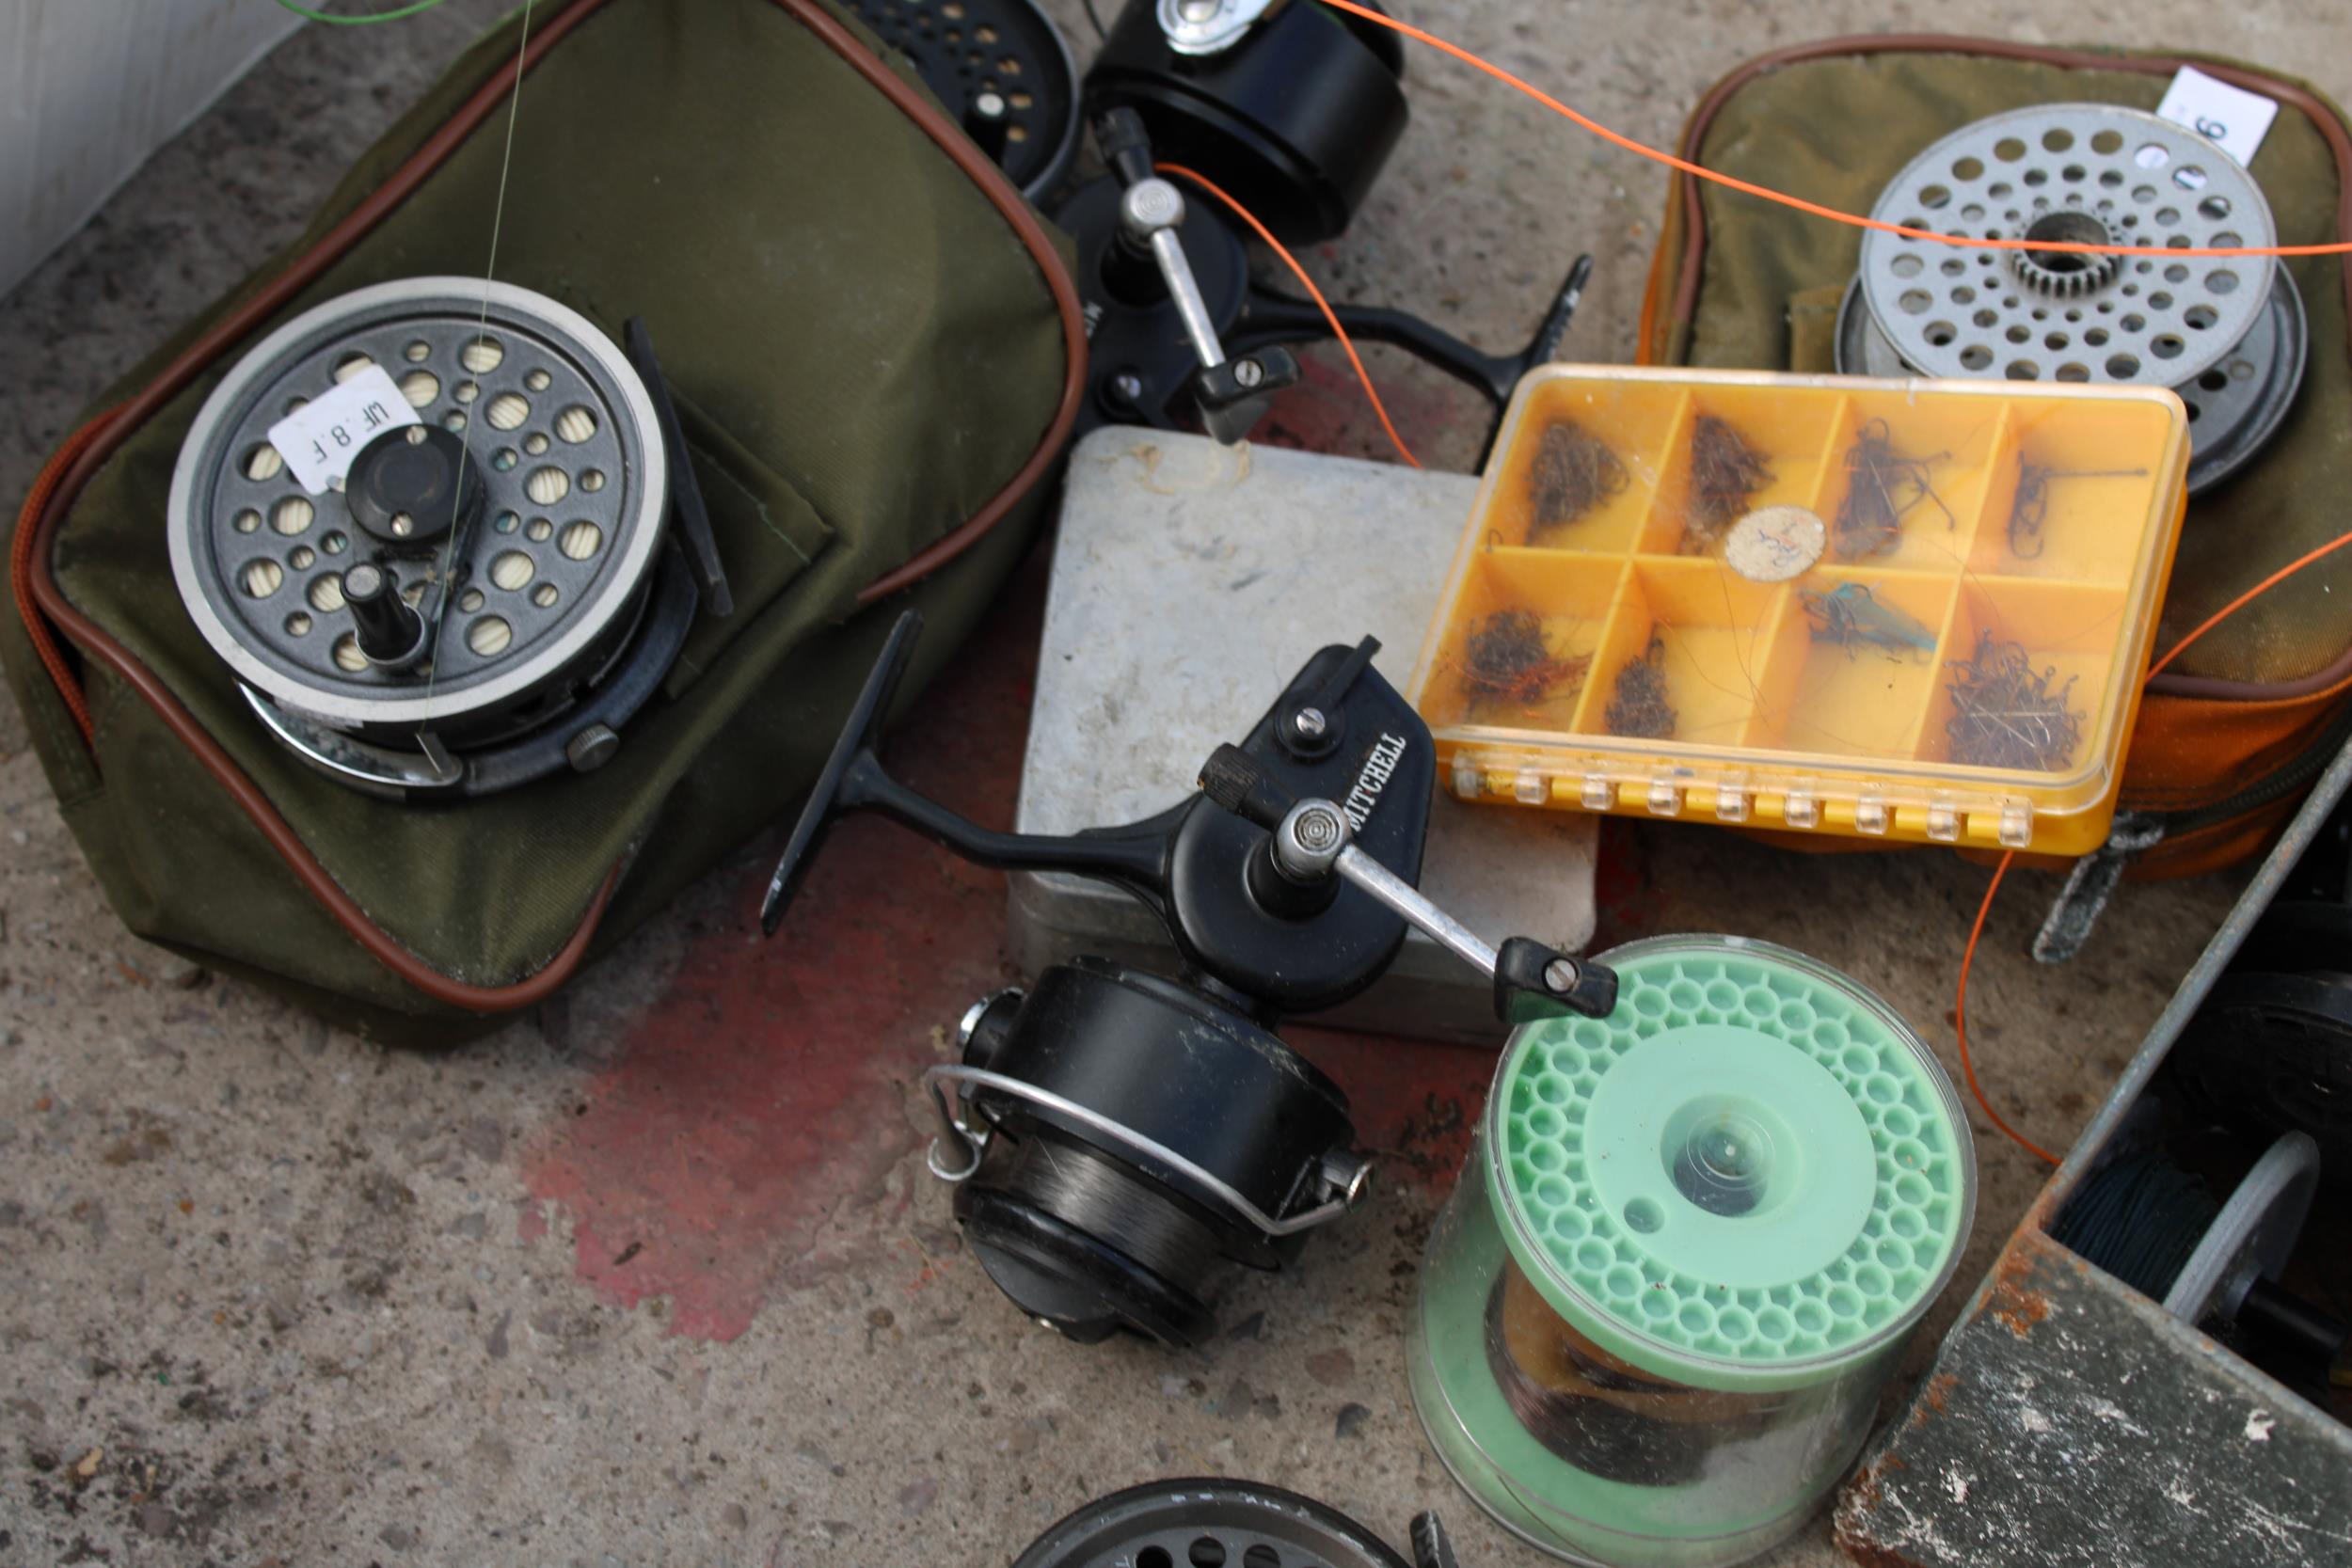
(1211, 1521)
(2271, 1052)
(1293, 108)
(428, 524)
(1067, 1168)
(1114, 1133)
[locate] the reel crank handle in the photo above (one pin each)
(1309, 845)
(1232, 390)
(854, 780)
(826, 800)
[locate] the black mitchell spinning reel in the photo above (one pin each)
(1177, 325)
(1291, 107)
(1112, 1132)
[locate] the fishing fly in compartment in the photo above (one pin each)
(1887, 484)
(2006, 714)
(1506, 661)
(2030, 510)
(1853, 617)
(1725, 472)
(1574, 472)
(1638, 706)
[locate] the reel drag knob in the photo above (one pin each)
(409, 488)
(390, 633)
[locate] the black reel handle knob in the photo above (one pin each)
(1234, 393)
(389, 631)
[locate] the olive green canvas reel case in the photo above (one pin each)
(1999, 138)
(398, 635)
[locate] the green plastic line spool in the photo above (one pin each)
(1685, 1254)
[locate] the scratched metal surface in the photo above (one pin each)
(2072, 1422)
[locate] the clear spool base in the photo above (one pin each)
(1688, 1245)
(1563, 1514)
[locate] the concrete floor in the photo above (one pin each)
(655, 1277)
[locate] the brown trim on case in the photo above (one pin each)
(61, 482)
(2330, 128)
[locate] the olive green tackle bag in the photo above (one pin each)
(875, 348)
(2228, 739)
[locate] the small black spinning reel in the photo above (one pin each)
(1177, 325)
(1112, 1132)
(1291, 107)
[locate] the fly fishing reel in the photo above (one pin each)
(2226, 333)
(1002, 68)
(428, 526)
(1112, 1133)
(1216, 1521)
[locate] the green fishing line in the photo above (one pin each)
(392, 15)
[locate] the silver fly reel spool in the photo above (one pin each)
(449, 574)
(2226, 333)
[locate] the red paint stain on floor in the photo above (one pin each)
(740, 1144)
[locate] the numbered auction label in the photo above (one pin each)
(318, 440)
(2235, 119)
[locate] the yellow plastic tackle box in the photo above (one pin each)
(1904, 609)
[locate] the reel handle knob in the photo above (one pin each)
(390, 633)
(1233, 395)
(1534, 981)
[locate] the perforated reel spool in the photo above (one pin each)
(535, 593)
(1004, 72)
(1207, 1524)
(2227, 333)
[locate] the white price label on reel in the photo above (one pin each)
(318, 440)
(2235, 119)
